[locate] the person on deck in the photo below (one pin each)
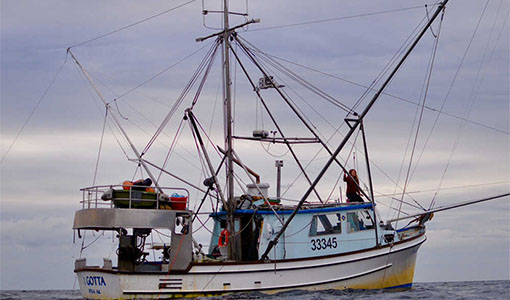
(353, 192)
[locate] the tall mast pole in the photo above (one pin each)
(232, 249)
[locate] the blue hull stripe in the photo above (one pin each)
(403, 286)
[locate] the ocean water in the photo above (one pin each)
(430, 290)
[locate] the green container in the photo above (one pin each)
(139, 199)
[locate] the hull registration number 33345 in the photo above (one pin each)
(324, 243)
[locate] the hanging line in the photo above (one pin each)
(118, 110)
(136, 171)
(34, 109)
(428, 19)
(132, 24)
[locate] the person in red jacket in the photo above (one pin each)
(353, 193)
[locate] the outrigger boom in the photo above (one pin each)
(460, 204)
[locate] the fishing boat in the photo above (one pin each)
(258, 242)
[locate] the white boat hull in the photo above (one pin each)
(385, 267)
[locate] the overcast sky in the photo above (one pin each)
(56, 153)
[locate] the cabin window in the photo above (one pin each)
(325, 224)
(360, 220)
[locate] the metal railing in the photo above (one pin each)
(92, 197)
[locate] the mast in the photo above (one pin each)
(233, 254)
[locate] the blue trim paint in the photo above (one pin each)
(288, 212)
(407, 228)
(403, 286)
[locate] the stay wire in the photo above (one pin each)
(161, 72)
(439, 111)
(183, 94)
(305, 84)
(34, 109)
(466, 51)
(172, 148)
(204, 78)
(132, 24)
(252, 59)
(291, 102)
(140, 114)
(449, 188)
(417, 117)
(414, 33)
(308, 104)
(338, 18)
(284, 70)
(87, 86)
(345, 162)
(100, 146)
(430, 71)
(466, 113)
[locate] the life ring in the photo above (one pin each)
(223, 240)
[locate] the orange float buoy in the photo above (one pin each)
(126, 185)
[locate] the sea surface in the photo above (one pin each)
(430, 290)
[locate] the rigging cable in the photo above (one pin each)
(162, 72)
(319, 152)
(449, 188)
(418, 116)
(294, 76)
(34, 109)
(100, 146)
(345, 162)
(132, 24)
(84, 81)
(417, 131)
(209, 56)
(439, 111)
(316, 91)
(338, 18)
(449, 90)
(293, 107)
(427, 85)
(400, 51)
(144, 117)
(172, 147)
(472, 98)
(246, 51)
